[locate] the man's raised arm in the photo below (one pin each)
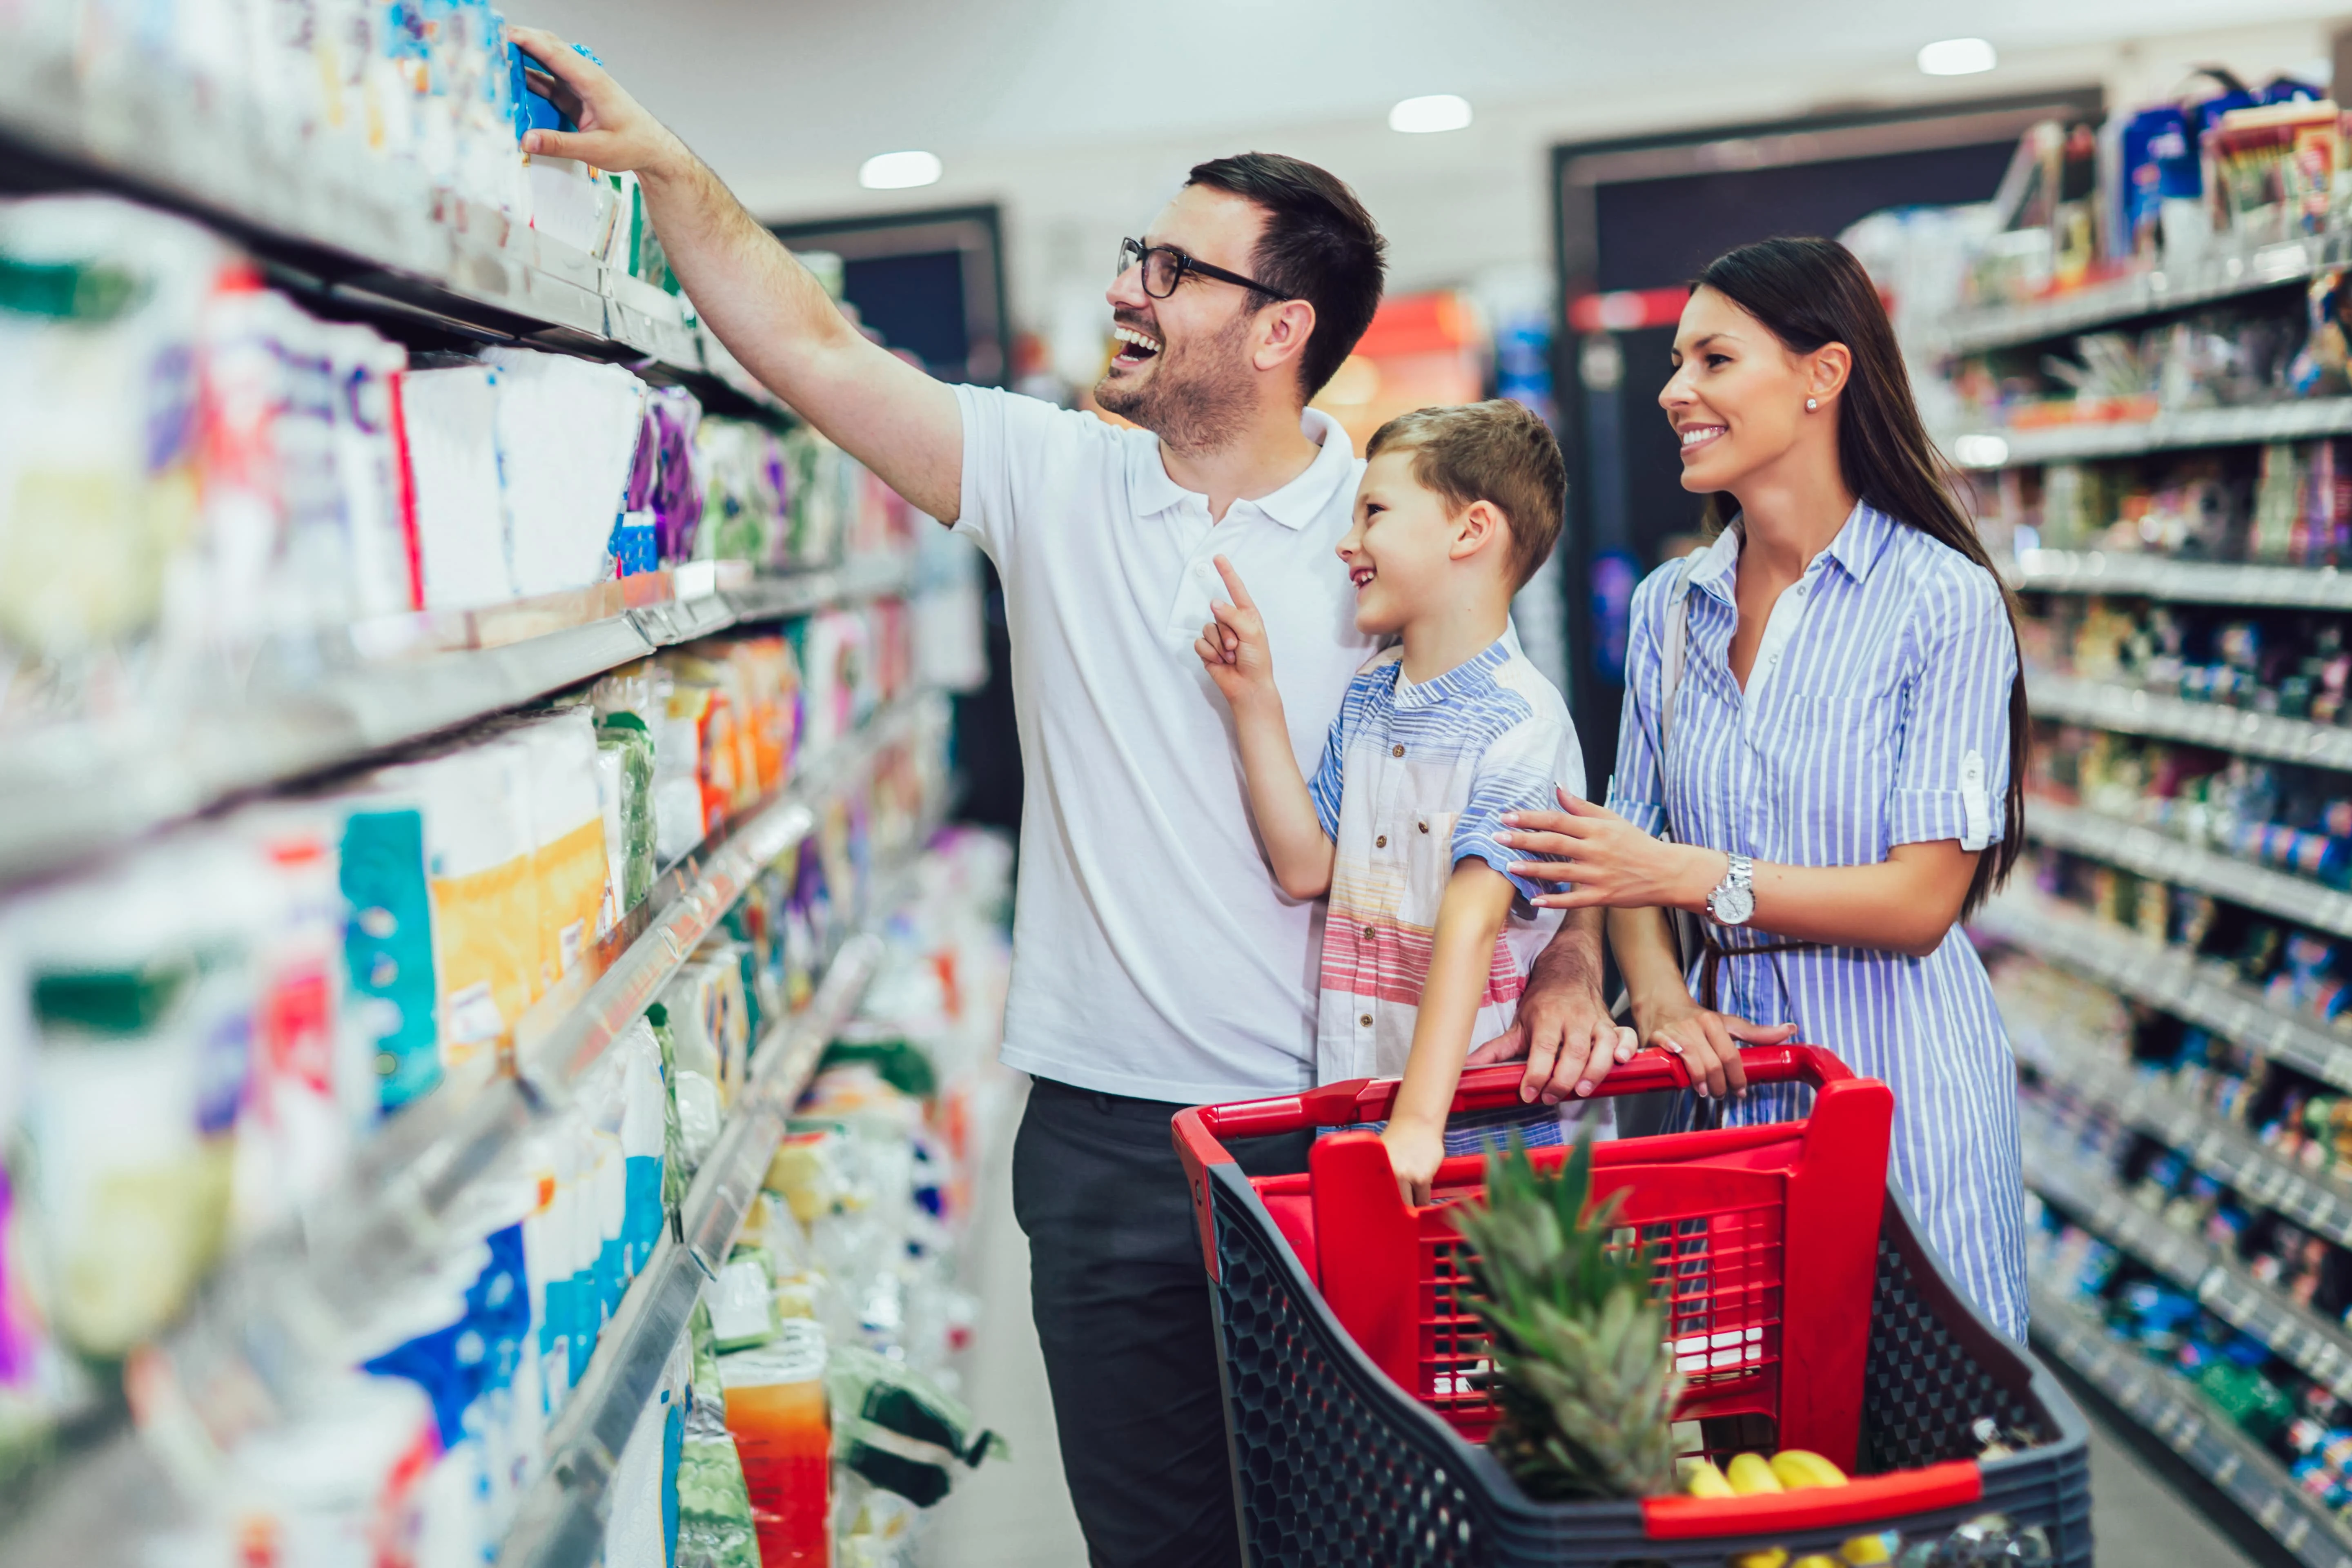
(768, 309)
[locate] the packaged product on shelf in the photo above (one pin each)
(643, 1527)
(776, 1410)
(567, 437)
(694, 1088)
(2274, 169)
(898, 1429)
(748, 487)
(568, 851)
(709, 1024)
(715, 1527)
(479, 844)
(449, 420)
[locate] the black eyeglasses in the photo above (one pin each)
(1164, 267)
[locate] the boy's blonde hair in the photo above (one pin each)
(1497, 452)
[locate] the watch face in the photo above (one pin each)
(1732, 906)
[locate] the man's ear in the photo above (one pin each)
(1283, 329)
(1478, 526)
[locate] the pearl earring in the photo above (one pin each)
(1812, 404)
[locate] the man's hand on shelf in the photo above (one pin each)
(615, 132)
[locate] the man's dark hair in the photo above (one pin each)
(1319, 246)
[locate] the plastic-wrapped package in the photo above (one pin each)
(708, 1021)
(449, 424)
(694, 1092)
(99, 456)
(388, 949)
(776, 1409)
(743, 1300)
(141, 995)
(479, 854)
(645, 1118)
(898, 1429)
(567, 821)
(714, 1507)
(343, 1476)
(567, 432)
(642, 1529)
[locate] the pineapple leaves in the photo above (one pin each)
(1581, 1371)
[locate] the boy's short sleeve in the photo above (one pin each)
(1330, 774)
(1518, 772)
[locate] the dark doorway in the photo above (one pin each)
(932, 284)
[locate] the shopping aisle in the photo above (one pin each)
(2137, 1516)
(1014, 1513)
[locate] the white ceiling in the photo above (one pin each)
(755, 85)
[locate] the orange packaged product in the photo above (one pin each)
(776, 1414)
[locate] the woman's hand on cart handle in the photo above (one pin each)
(1606, 861)
(1707, 1042)
(615, 132)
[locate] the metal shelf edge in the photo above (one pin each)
(2166, 978)
(2151, 853)
(2200, 1435)
(2178, 580)
(2130, 709)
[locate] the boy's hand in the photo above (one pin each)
(1415, 1151)
(1234, 645)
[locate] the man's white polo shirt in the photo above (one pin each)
(1153, 954)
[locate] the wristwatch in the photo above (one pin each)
(1734, 898)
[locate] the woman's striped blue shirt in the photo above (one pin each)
(1876, 714)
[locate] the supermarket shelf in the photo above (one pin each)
(2199, 990)
(2218, 276)
(2150, 852)
(561, 1524)
(393, 253)
(2318, 1348)
(277, 1311)
(2222, 1150)
(2111, 705)
(2167, 1407)
(72, 791)
(2186, 428)
(2178, 581)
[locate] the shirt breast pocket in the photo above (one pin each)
(1833, 769)
(1428, 862)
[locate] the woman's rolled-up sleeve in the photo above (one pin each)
(1951, 775)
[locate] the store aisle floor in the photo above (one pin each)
(2137, 1518)
(1013, 1513)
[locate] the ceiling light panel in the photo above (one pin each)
(899, 171)
(1957, 57)
(1437, 111)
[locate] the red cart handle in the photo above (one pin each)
(1199, 1130)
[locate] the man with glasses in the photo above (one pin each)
(1155, 965)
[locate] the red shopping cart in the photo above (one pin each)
(1797, 1293)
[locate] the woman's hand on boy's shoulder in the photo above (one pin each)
(1233, 645)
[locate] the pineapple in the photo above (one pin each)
(1582, 1374)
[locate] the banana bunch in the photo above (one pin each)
(1790, 1470)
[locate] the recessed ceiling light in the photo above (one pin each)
(899, 171)
(1438, 111)
(1957, 57)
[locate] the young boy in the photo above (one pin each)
(1429, 937)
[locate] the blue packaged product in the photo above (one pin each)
(388, 948)
(2160, 161)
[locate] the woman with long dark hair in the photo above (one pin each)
(1820, 752)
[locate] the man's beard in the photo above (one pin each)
(1197, 400)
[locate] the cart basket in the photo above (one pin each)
(1335, 1462)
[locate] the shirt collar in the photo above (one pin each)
(1295, 505)
(1456, 683)
(1856, 548)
